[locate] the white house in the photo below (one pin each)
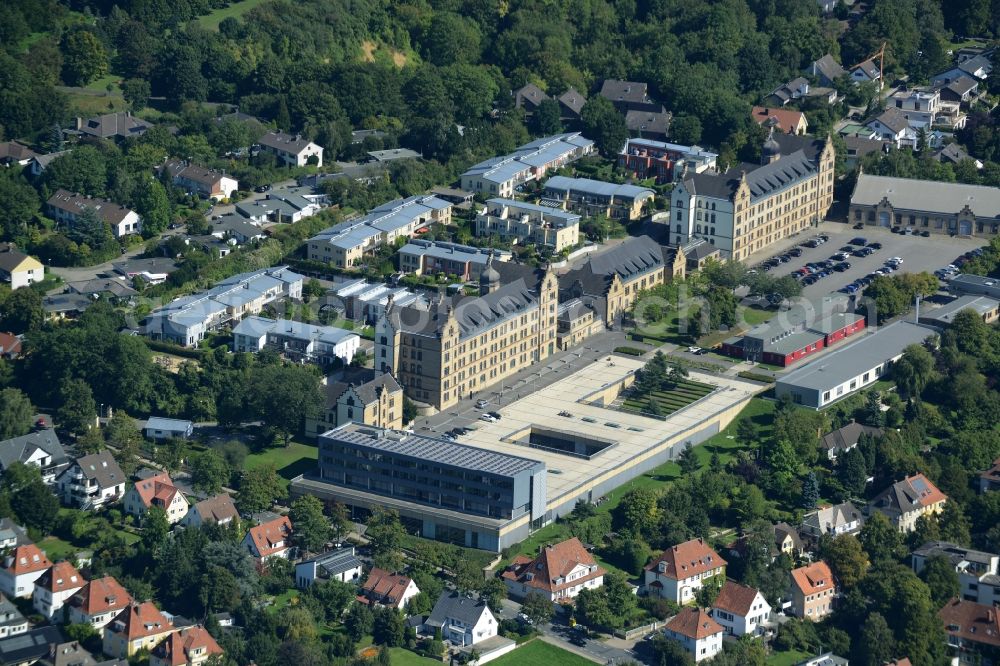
(297, 340)
(19, 269)
(461, 619)
(867, 72)
(206, 182)
(12, 622)
(292, 150)
(893, 126)
(66, 207)
(156, 490)
(740, 609)
(40, 449)
(270, 539)
(844, 518)
(97, 602)
(383, 588)
(92, 481)
(55, 587)
(21, 568)
(159, 428)
(694, 629)
(339, 564)
(977, 570)
(218, 509)
(680, 571)
(558, 572)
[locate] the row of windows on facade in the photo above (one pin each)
(347, 453)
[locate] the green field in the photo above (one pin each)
(789, 658)
(56, 549)
(290, 461)
(212, 20)
(400, 657)
(754, 316)
(539, 653)
(759, 411)
(670, 400)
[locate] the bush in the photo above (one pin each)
(630, 351)
(755, 377)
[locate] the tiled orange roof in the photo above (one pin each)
(140, 621)
(686, 560)
(26, 559)
(735, 598)
(217, 509)
(813, 578)
(176, 649)
(553, 563)
(159, 486)
(694, 623)
(61, 577)
(101, 595)
(267, 535)
(384, 586)
(972, 622)
(905, 661)
(788, 121)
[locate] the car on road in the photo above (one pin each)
(495, 415)
(480, 404)
(908, 231)
(694, 350)
(262, 188)
(925, 233)
(578, 640)
(489, 418)
(859, 240)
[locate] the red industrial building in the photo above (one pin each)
(645, 158)
(791, 336)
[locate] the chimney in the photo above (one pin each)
(78, 123)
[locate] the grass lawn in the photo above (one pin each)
(754, 316)
(760, 411)
(57, 549)
(212, 20)
(670, 400)
(539, 653)
(789, 658)
(402, 657)
(290, 461)
(283, 601)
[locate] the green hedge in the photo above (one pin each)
(630, 351)
(753, 376)
(170, 348)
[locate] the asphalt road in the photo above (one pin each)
(918, 254)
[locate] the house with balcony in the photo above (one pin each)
(522, 222)
(843, 518)
(905, 501)
(462, 620)
(558, 572)
(423, 257)
(296, 340)
(192, 178)
(21, 568)
(973, 632)
(270, 539)
(136, 627)
(65, 207)
(977, 571)
(97, 603)
(893, 127)
(501, 176)
(92, 481)
(55, 587)
(646, 158)
(741, 610)
(291, 150)
(680, 571)
(592, 198)
(41, 449)
(12, 622)
(159, 491)
(697, 632)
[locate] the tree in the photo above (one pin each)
(155, 528)
(385, 533)
(387, 629)
(942, 581)
(846, 558)
(209, 472)
(494, 592)
(259, 488)
(905, 602)
(547, 117)
(170, 454)
(359, 621)
(638, 511)
(810, 491)
(84, 58)
(880, 539)
(32, 502)
(746, 432)
(877, 644)
(340, 520)
(123, 436)
(312, 529)
(20, 204)
(21, 311)
(668, 652)
(77, 410)
(84, 170)
(136, 93)
(685, 129)
(153, 205)
(602, 122)
(16, 414)
(285, 395)
(688, 460)
(537, 608)
(913, 370)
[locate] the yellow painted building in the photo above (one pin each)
(363, 396)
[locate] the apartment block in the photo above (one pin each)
(522, 222)
(593, 198)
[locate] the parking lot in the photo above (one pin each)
(918, 254)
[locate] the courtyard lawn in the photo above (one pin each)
(753, 316)
(759, 411)
(670, 400)
(212, 20)
(57, 549)
(402, 657)
(540, 653)
(290, 461)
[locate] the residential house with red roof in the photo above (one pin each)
(190, 646)
(787, 120)
(559, 572)
(136, 627)
(905, 501)
(98, 602)
(387, 589)
(55, 587)
(700, 635)
(813, 591)
(156, 490)
(10, 346)
(681, 570)
(741, 610)
(973, 632)
(218, 509)
(270, 539)
(21, 568)
(990, 479)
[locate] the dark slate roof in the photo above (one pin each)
(366, 385)
(894, 119)
(951, 153)
(828, 67)
(636, 256)
(10, 611)
(624, 91)
(11, 530)
(529, 94)
(336, 561)
(848, 436)
(457, 607)
(29, 646)
(476, 314)
(102, 468)
(18, 449)
(573, 100)
(648, 122)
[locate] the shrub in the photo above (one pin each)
(630, 351)
(756, 377)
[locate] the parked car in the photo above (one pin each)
(859, 240)
(875, 245)
(480, 404)
(795, 252)
(489, 418)
(859, 225)
(925, 233)
(262, 188)
(495, 415)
